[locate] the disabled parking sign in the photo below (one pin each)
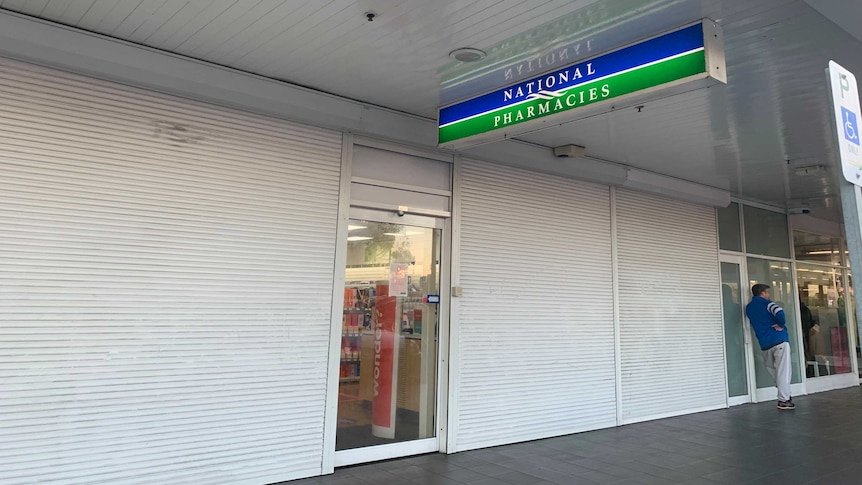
(845, 103)
(851, 128)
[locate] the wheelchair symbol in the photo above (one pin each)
(851, 127)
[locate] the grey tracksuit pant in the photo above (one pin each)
(777, 360)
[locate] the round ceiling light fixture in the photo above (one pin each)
(467, 54)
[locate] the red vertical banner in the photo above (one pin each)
(840, 351)
(384, 379)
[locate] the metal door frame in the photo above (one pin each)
(751, 377)
(428, 445)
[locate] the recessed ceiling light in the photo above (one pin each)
(467, 54)
(359, 238)
(351, 227)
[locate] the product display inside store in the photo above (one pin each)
(388, 373)
(823, 311)
(825, 304)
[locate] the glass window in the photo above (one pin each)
(850, 301)
(728, 228)
(734, 330)
(766, 232)
(816, 248)
(779, 276)
(822, 310)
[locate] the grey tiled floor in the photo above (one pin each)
(820, 442)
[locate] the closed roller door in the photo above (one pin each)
(536, 334)
(165, 286)
(671, 337)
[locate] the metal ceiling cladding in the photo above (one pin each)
(737, 137)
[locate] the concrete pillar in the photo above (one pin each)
(851, 203)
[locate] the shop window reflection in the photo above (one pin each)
(729, 234)
(766, 232)
(816, 248)
(823, 315)
(779, 276)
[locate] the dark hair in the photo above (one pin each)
(758, 289)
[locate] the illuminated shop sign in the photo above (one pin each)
(651, 67)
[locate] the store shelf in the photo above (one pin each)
(348, 379)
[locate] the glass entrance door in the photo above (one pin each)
(737, 338)
(779, 276)
(389, 344)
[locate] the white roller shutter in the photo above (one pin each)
(535, 325)
(166, 274)
(671, 340)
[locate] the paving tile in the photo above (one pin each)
(702, 467)
(518, 478)
(570, 480)
(433, 480)
(669, 460)
(697, 481)
(599, 477)
(648, 469)
(819, 443)
(738, 475)
(798, 475)
(409, 471)
(556, 477)
(439, 467)
(621, 472)
(380, 477)
(487, 481)
(567, 468)
(465, 460)
(649, 480)
(465, 476)
(490, 470)
(337, 481)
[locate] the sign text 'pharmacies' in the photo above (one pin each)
(671, 57)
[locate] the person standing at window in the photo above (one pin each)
(769, 324)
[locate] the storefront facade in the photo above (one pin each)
(809, 275)
(198, 293)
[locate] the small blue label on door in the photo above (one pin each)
(433, 299)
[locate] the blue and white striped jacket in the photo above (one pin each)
(763, 314)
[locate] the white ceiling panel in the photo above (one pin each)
(748, 136)
(29, 7)
(106, 16)
(846, 14)
(165, 22)
(672, 136)
(285, 16)
(325, 44)
(146, 16)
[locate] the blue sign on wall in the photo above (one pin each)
(851, 127)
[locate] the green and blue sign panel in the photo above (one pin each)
(687, 54)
